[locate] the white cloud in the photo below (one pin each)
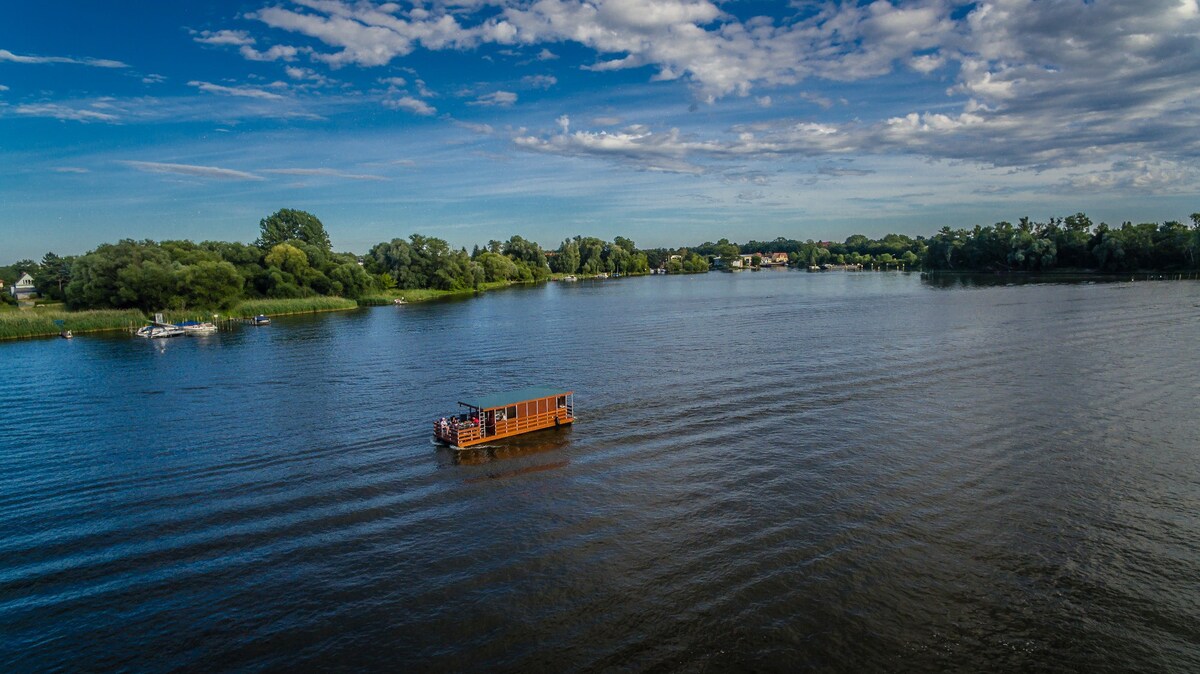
(213, 172)
(63, 112)
(236, 38)
(70, 169)
(279, 52)
(245, 92)
(539, 81)
(1153, 175)
(326, 172)
(482, 129)
(496, 98)
(3, 88)
(414, 105)
(153, 78)
(308, 75)
(6, 55)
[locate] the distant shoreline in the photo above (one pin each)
(50, 321)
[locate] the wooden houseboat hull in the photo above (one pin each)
(505, 415)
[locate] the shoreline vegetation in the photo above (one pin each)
(291, 268)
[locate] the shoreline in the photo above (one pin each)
(42, 323)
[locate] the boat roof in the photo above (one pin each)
(514, 397)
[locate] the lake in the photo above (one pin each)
(770, 471)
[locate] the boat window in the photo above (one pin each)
(512, 412)
(562, 401)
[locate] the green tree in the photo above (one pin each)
(567, 260)
(210, 284)
(497, 267)
(288, 258)
(52, 276)
(351, 280)
(286, 224)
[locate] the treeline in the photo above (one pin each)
(1067, 243)
(292, 258)
(893, 250)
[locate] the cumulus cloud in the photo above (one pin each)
(1028, 84)
(1154, 175)
(539, 81)
(6, 55)
(212, 172)
(411, 104)
(675, 151)
(279, 52)
(245, 92)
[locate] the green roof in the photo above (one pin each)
(514, 397)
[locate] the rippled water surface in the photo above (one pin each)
(770, 471)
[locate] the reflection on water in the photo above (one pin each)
(952, 280)
(516, 447)
(769, 472)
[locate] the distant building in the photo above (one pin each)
(24, 287)
(779, 258)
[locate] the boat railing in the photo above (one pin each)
(480, 424)
(533, 421)
(455, 435)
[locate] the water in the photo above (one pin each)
(770, 471)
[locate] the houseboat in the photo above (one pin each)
(502, 415)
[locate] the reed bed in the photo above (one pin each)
(427, 294)
(40, 322)
(302, 305)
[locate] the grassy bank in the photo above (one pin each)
(41, 322)
(303, 305)
(427, 294)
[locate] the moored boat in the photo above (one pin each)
(197, 328)
(502, 415)
(159, 331)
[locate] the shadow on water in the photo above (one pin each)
(520, 447)
(961, 280)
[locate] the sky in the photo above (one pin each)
(670, 122)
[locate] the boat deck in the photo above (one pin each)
(505, 415)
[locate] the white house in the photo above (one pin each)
(24, 287)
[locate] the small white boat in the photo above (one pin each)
(570, 278)
(399, 300)
(195, 328)
(159, 331)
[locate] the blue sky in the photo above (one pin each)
(670, 122)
